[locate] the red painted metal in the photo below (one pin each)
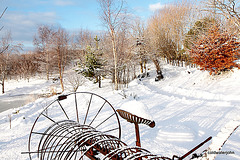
(138, 143)
(136, 120)
(195, 148)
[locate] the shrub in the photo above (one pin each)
(216, 51)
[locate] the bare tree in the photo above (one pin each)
(157, 43)
(139, 41)
(113, 17)
(85, 38)
(3, 49)
(125, 54)
(166, 30)
(43, 43)
(60, 51)
(2, 16)
(228, 8)
(26, 65)
(80, 42)
(5, 61)
(75, 79)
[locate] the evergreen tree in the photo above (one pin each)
(199, 28)
(92, 67)
(91, 63)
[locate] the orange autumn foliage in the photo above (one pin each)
(216, 51)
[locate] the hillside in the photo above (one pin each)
(188, 106)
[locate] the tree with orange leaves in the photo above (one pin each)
(217, 51)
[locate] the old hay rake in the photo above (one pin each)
(84, 125)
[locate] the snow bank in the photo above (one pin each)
(221, 139)
(137, 108)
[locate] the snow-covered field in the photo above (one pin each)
(187, 106)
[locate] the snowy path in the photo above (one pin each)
(186, 115)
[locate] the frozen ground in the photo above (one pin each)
(188, 106)
(19, 93)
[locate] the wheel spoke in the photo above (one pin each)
(105, 120)
(63, 109)
(75, 95)
(60, 138)
(97, 114)
(88, 109)
(48, 118)
(110, 130)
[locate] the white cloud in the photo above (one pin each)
(23, 25)
(63, 3)
(156, 6)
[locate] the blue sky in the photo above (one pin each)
(23, 16)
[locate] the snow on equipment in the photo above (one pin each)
(136, 120)
(85, 125)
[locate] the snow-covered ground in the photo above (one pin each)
(187, 106)
(19, 93)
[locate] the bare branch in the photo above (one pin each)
(111, 12)
(2, 28)
(3, 12)
(227, 9)
(6, 48)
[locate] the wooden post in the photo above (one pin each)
(138, 143)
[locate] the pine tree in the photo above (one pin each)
(200, 27)
(216, 51)
(92, 63)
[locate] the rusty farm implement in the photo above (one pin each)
(84, 125)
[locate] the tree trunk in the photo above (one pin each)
(61, 75)
(158, 69)
(115, 59)
(156, 63)
(3, 79)
(61, 82)
(47, 65)
(141, 65)
(144, 66)
(99, 81)
(60, 69)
